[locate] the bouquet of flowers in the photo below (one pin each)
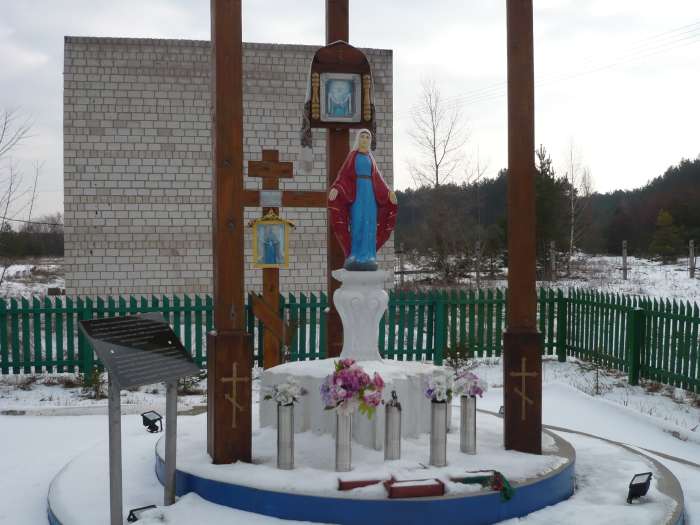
(286, 393)
(467, 383)
(439, 388)
(350, 387)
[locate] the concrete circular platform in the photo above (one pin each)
(77, 498)
(481, 507)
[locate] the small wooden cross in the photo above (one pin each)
(523, 374)
(271, 170)
(233, 397)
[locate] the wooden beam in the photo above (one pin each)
(522, 344)
(269, 317)
(337, 148)
(228, 348)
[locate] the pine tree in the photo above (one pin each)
(666, 242)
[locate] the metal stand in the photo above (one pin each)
(170, 441)
(115, 454)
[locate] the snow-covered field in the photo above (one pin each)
(33, 448)
(604, 274)
(32, 277)
(644, 277)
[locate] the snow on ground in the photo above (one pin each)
(33, 448)
(645, 277)
(32, 278)
(604, 274)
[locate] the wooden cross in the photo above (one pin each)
(233, 396)
(271, 170)
(523, 374)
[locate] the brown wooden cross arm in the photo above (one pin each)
(271, 171)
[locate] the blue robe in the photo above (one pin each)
(363, 215)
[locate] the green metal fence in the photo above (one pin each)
(652, 339)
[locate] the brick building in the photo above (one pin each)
(137, 161)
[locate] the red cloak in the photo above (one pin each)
(339, 208)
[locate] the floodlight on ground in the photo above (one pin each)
(135, 514)
(639, 486)
(153, 421)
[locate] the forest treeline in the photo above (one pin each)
(40, 238)
(657, 219)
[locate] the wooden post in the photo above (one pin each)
(624, 260)
(691, 259)
(402, 266)
(337, 148)
(552, 261)
(228, 347)
(522, 356)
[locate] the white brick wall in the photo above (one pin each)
(137, 161)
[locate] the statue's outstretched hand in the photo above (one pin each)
(333, 194)
(392, 197)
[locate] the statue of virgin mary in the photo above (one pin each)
(362, 207)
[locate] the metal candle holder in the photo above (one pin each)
(285, 436)
(438, 434)
(343, 436)
(392, 428)
(467, 424)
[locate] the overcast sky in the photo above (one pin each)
(618, 78)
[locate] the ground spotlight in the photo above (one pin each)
(135, 514)
(153, 421)
(639, 486)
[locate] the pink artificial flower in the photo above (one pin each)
(378, 381)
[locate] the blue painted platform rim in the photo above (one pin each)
(478, 508)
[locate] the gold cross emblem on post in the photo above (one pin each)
(523, 374)
(233, 397)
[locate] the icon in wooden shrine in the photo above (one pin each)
(339, 92)
(271, 241)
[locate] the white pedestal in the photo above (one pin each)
(407, 378)
(361, 302)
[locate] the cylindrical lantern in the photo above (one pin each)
(343, 435)
(392, 429)
(438, 434)
(467, 424)
(285, 436)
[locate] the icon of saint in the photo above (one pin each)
(339, 98)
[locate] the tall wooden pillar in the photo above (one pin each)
(522, 361)
(337, 148)
(228, 348)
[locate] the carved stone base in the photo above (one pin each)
(361, 302)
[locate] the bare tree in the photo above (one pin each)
(474, 176)
(580, 184)
(439, 134)
(13, 130)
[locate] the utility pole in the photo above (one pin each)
(691, 259)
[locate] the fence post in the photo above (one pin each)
(691, 259)
(636, 341)
(624, 260)
(440, 328)
(562, 328)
